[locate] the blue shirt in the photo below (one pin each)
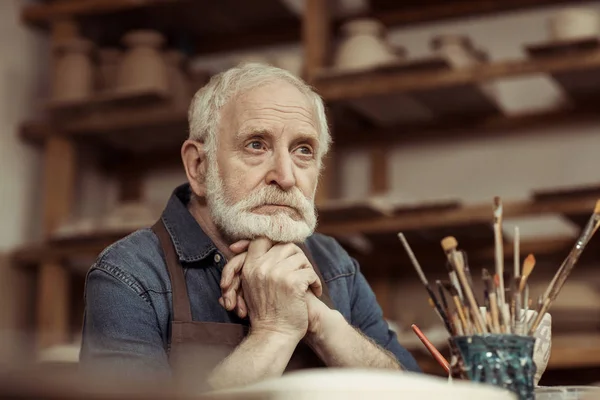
(128, 293)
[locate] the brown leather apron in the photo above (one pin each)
(195, 347)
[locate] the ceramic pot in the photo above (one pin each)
(143, 67)
(179, 85)
(73, 72)
(364, 46)
(457, 49)
(574, 23)
(108, 70)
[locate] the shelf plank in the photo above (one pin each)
(392, 12)
(45, 12)
(337, 87)
(579, 85)
(426, 226)
(460, 216)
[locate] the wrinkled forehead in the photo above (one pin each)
(276, 106)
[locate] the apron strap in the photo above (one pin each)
(325, 298)
(181, 302)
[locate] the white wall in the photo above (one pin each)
(21, 65)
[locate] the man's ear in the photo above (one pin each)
(193, 155)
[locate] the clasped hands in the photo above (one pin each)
(275, 285)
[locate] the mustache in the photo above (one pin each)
(274, 196)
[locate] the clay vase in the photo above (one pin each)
(457, 49)
(364, 46)
(108, 71)
(179, 84)
(73, 77)
(143, 67)
(574, 24)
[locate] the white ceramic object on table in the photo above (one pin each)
(350, 384)
(364, 46)
(574, 23)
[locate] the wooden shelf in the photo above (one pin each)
(201, 27)
(338, 87)
(424, 228)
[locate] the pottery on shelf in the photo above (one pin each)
(364, 46)
(179, 84)
(73, 77)
(574, 23)
(128, 216)
(143, 66)
(108, 70)
(457, 49)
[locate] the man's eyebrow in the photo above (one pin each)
(253, 131)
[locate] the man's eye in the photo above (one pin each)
(305, 150)
(255, 145)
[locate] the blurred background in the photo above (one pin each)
(435, 108)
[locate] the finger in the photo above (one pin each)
(232, 268)
(241, 305)
(230, 295)
(282, 251)
(259, 247)
(311, 280)
(240, 246)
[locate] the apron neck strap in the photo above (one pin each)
(181, 302)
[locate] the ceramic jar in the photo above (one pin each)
(179, 85)
(108, 69)
(364, 46)
(458, 50)
(574, 23)
(73, 77)
(143, 66)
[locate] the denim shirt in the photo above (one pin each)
(128, 294)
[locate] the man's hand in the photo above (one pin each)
(274, 280)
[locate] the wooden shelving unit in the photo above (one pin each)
(146, 132)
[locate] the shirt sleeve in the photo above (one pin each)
(368, 317)
(120, 329)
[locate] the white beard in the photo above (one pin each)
(238, 221)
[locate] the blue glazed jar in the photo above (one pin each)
(499, 359)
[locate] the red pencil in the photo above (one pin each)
(434, 352)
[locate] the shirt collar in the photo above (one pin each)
(190, 241)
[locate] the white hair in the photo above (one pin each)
(205, 110)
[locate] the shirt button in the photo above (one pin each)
(217, 257)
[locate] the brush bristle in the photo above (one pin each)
(485, 274)
(450, 288)
(597, 208)
(449, 243)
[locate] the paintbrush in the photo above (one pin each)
(434, 352)
(499, 247)
(451, 289)
(449, 245)
(567, 266)
(528, 266)
(492, 299)
(433, 301)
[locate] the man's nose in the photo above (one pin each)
(281, 172)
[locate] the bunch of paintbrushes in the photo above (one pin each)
(505, 302)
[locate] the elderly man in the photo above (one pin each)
(233, 267)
